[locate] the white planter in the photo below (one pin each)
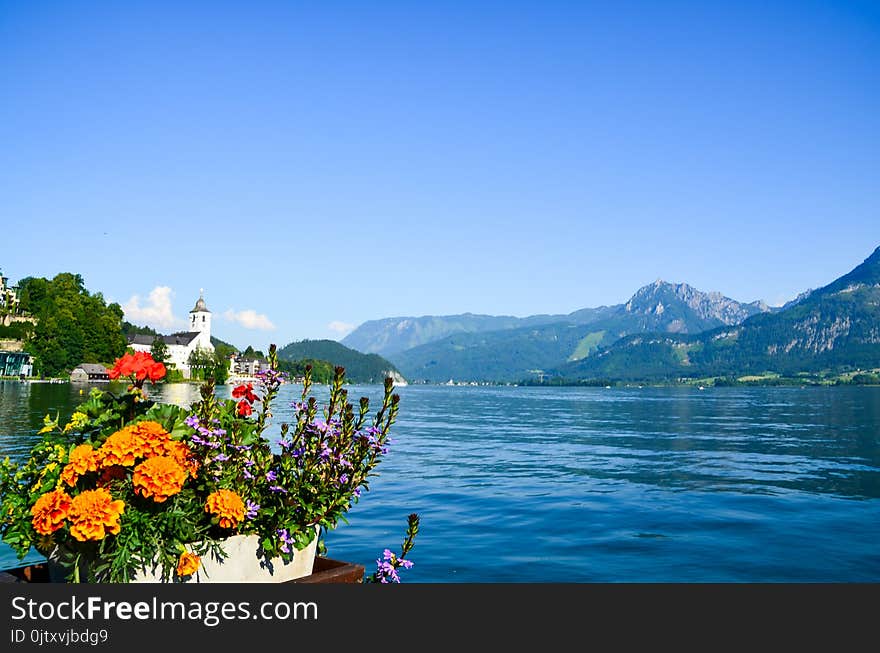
(242, 564)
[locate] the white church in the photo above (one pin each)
(181, 345)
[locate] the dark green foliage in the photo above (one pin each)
(159, 350)
(223, 349)
(322, 371)
(73, 325)
(129, 329)
(16, 331)
(359, 368)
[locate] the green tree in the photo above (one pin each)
(221, 368)
(159, 350)
(73, 326)
(201, 363)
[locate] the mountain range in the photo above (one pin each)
(664, 330)
(832, 329)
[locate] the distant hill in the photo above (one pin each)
(517, 353)
(359, 368)
(835, 328)
(395, 334)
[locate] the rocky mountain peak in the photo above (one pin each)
(661, 296)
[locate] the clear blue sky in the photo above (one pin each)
(319, 163)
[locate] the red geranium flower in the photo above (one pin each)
(139, 365)
(244, 408)
(246, 391)
(156, 372)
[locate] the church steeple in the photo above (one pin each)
(200, 303)
(200, 316)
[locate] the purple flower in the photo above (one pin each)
(285, 538)
(387, 566)
(276, 489)
(252, 509)
(343, 479)
(271, 476)
(192, 421)
(386, 572)
(248, 476)
(221, 458)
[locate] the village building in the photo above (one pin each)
(8, 295)
(89, 372)
(180, 346)
(16, 363)
(242, 366)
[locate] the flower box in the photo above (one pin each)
(244, 563)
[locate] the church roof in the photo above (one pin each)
(200, 304)
(183, 338)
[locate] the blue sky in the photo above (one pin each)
(317, 165)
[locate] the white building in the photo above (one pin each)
(182, 345)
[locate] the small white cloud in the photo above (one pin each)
(157, 311)
(342, 328)
(250, 319)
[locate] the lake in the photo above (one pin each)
(521, 484)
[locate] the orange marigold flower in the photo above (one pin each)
(82, 459)
(182, 455)
(226, 505)
(150, 439)
(188, 564)
(141, 440)
(50, 511)
(119, 449)
(93, 514)
(159, 477)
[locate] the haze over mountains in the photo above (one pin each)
(693, 333)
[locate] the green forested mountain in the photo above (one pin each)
(359, 368)
(513, 354)
(73, 326)
(833, 329)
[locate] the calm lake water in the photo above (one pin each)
(598, 485)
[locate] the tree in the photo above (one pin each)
(159, 350)
(200, 361)
(221, 368)
(73, 326)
